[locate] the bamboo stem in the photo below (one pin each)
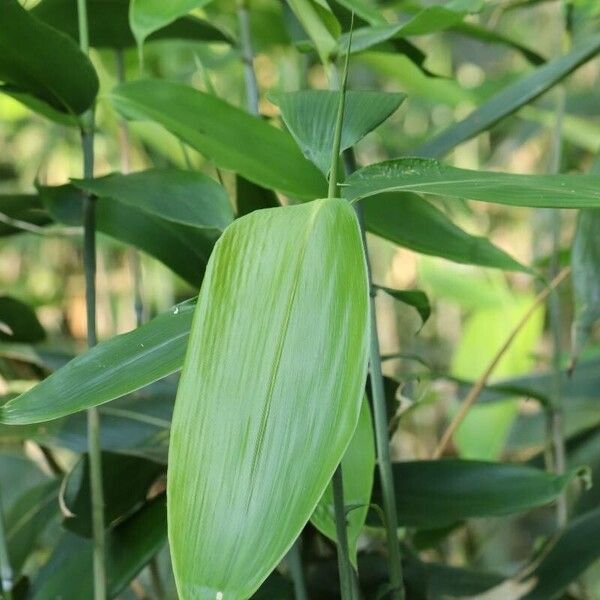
(483, 379)
(6, 572)
(294, 558)
(252, 94)
(89, 260)
(343, 555)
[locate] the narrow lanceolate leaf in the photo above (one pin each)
(358, 470)
(228, 136)
(18, 322)
(415, 298)
(511, 99)
(185, 197)
(409, 221)
(266, 405)
(428, 176)
(109, 24)
(432, 494)
(309, 115)
(585, 260)
(147, 16)
(111, 369)
(38, 60)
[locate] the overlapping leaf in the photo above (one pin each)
(258, 432)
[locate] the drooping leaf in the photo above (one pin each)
(415, 298)
(409, 221)
(27, 208)
(265, 403)
(358, 470)
(126, 481)
(148, 16)
(311, 114)
(429, 176)
(230, 137)
(109, 24)
(111, 369)
(40, 61)
(185, 197)
(585, 261)
(437, 493)
(320, 24)
(182, 248)
(511, 99)
(18, 322)
(68, 574)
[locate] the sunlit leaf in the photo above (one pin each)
(266, 406)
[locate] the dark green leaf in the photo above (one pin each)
(250, 197)
(185, 197)
(415, 298)
(310, 116)
(109, 24)
(126, 481)
(38, 60)
(441, 492)
(21, 207)
(585, 261)
(429, 176)
(251, 420)
(111, 369)
(409, 221)
(511, 99)
(230, 137)
(18, 322)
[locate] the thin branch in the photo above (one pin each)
(294, 558)
(44, 231)
(6, 572)
(482, 381)
(252, 94)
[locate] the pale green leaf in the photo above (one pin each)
(266, 405)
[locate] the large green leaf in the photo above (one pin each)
(148, 16)
(183, 248)
(510, 99)
(230, 137)
(409, 221)
(266, 406)
(185, 197)
(310, 116)
(429, 176)
(358, 470)
(68, 574)
(109, 24)
(40, 61)
(111, 369)
(585, 260)
(432, 494)
(18, 322)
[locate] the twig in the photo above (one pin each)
(44, 231)
(482, 381)
(247, 52)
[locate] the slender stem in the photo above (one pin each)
(482, 381)
(89, 260)
(252, 95)
(6, 572)
(343, 554)
(294, 558)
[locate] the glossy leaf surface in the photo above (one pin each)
(358, 470)
(111, 369)
(258, 433)
(230, 137)
(428, 176)
(310, 114)
(38, 60)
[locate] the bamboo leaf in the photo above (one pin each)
(230, 137)
(431, 494)
(18, 322)
(40, 61)
(109, 24)
(308, 114)
(148, 16)
(185, 197)
(111, 369)
(428, 176)
(409, 221)
(26, 208)
(265, 408)
(511, 99)
(358, 470)
(585, 261)
(415, 298)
